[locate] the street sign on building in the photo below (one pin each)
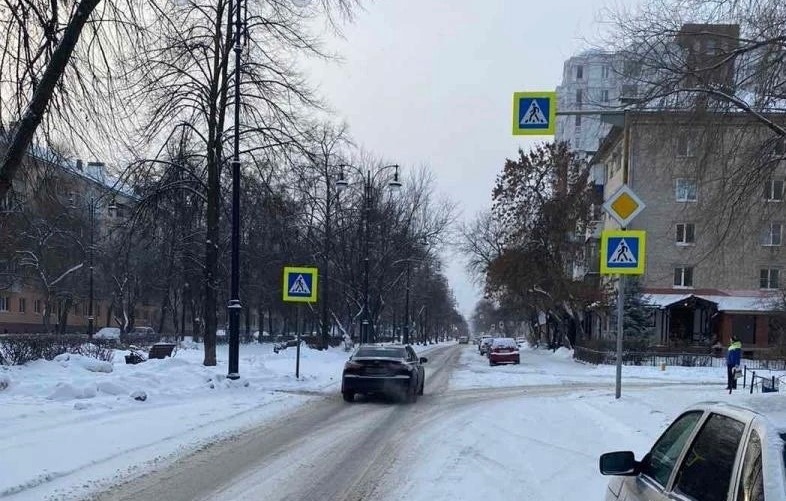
(622, 252)
(300, 284)
(624, 205)
(534, 113)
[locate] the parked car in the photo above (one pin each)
(712, 451)
(140, 332)
(392, 370)
(504, 350)
(485, 342)
(108, 333)
(463, 340)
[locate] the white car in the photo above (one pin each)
(107, 333)
(712, 451)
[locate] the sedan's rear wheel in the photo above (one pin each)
(349, 396)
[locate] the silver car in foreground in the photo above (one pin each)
(712, 452)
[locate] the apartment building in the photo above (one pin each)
(713, 186)
(58, 213)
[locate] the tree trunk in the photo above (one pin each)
(29, 122)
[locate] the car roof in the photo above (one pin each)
(767, 410)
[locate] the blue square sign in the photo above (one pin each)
(534, 113)
(622, 252)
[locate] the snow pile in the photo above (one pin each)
(563, 352)
(74, 420)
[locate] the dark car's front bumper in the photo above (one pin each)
(375, 384)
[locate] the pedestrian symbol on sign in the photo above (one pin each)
(300, 287)
(622, 254)
(534, 115)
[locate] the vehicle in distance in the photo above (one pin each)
(483, 346)
(392, 370)
(108, 333)
(503, 350)
(463, 340)
(712, 451)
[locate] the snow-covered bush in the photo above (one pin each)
(23, 348)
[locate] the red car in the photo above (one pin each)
(504, 350)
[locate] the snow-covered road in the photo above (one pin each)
(532, 431)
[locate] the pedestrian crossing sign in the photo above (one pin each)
(622, 252)
(534, 113)
(300, 284)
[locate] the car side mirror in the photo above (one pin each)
(423, 360)
(618, 463)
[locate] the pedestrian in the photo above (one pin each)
(733, 356)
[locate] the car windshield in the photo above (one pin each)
(383, 352)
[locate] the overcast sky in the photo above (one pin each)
(431, 82)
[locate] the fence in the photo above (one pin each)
(656, 359)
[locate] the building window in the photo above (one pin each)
(687, 191)
(629, 91)
(686, 233)
(22, 305)
(604, 96)
(37, 306)
(579, 97)
(578, 121)
(769, 278)
(97, 310)
(685, 146)
(3, 303)
(773, 234)
(773, 190)
(77, 309)
(579, 72)
(683, 276)
(780, 147)
(604, 71)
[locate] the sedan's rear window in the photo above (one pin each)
(371, 351)
(504, 343)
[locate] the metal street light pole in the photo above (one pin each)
(368, 192)
(406, 308)
(90, 324)
(326, 267)
(234, 306)
(364, 334)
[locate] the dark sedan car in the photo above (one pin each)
(387, 370)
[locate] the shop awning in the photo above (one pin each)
(732, 303)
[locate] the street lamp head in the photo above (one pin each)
(395, 184)
(341, 183)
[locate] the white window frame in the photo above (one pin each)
(683, 270)
(604, 96)
(769, 278)
(770, 238)
(4, 300)
(579, 72)
(605, 71)
(771, 194)
(685, 189)
(22, 305)
(37, 306)
(682, 236)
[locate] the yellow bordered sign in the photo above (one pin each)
(623, 252)
(534, 113)
(300, 284)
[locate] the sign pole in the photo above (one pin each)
(297, 349)
(620, 325)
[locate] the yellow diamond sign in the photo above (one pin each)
(623, 205)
